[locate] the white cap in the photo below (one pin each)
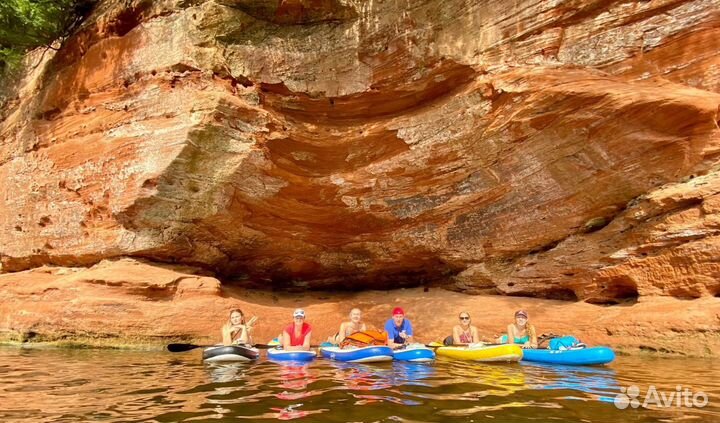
(298, 313)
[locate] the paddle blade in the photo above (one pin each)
(182, 347)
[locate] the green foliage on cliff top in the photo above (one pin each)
(26, 24)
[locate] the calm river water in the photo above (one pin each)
(122, 386)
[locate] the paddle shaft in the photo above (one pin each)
(267, 346)
(462, 345)
(189, 347)
(185, 347)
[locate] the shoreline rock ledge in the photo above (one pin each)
(132, 304)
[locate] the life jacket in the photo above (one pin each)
(364, 339)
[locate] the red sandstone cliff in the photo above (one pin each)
(130, 303)
(566, 150)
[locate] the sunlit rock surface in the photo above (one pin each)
(566, 150)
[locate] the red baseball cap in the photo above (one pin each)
(398, 310)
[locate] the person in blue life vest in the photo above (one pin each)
(399, 329)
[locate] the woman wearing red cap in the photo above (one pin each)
(399, 329)
(521, 332)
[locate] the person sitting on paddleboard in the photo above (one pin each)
(521, 332)
(235, 331)
(296, 337)
(399, 329)
(465, 333)
(348, 328)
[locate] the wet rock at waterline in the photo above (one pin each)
(563, 151)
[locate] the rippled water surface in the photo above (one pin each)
(120, 386)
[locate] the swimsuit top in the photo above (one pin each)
(235, 336)
(466, 337)
(522, 340)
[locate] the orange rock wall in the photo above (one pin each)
(565, 150)
(127, 303)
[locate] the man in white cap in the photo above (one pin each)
(296, 337)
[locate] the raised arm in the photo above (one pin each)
(409, 332)
(226, 332)
(249, 328)
(244, 335)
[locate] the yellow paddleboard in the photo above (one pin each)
(482, 353)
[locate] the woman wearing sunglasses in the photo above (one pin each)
(465, 333)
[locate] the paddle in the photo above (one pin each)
(546, 337)
(188, 347)
(435, 344)
(268, 346)
(184, 347)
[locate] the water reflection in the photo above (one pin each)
(226, 372)
(296, 377)
(289, 413)
(410, 373)
(599, 382)
(362, 377)
(116, 386)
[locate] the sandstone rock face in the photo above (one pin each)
(565, 149)
(154, 305)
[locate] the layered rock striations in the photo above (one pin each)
(129, 303)
(566, 150)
